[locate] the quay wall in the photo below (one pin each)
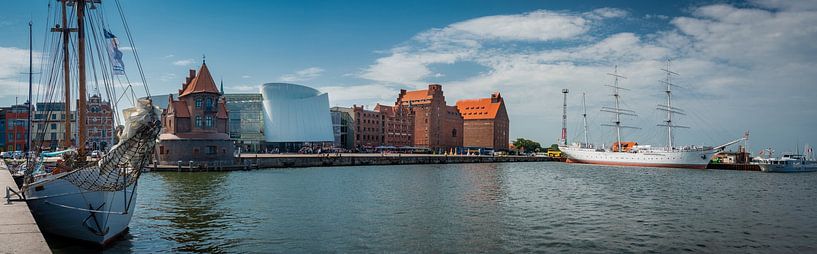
(19, 232)
(250, 161)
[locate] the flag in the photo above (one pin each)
(117, 66)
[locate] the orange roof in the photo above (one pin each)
(202, 83)
(476, 109)
(416, 95)
(222, 110)
(180, 109)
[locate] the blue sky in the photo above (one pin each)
(738, 60)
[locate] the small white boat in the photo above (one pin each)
(788, 163)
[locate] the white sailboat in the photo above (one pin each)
(81, 199)
(622, 153)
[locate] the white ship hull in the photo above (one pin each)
(693, 158)
(61, 208)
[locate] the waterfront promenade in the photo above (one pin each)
(256, 161)
(18, 230)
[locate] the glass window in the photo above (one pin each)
(198, 103)
(198, 121)
(209, 103)
(209, 121)
(53, 126)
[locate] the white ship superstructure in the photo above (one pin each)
(623, 153)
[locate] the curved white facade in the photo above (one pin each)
(295, 113)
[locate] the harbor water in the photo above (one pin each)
(467, 208)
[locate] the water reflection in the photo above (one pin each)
(192, 212)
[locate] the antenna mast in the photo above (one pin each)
(564, 117)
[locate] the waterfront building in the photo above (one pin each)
(436, 125)
(486, 123)
(49, 126)
(369, 128)
(295, 116)
(16, 127)
(3, 128)
(99, 126)
(398, 126)
(195, 126)
(343, 127)
(246, 120)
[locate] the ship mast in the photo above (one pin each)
(617, 111)
(584, 119)
(30, 84)
(81, 103)
(669, 108)
(66, 71)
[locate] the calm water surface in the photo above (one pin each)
(495, 208)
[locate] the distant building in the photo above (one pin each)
(436, 125)
(3, 147)
(486, 122)
(49, 126)
(398, 125)
(99, 127)
(246, 121)
(343, 127)
(295, 115)
(16, 127)
(369, 128)
(195, 126)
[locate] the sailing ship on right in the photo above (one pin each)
(630, 153)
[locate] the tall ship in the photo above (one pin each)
(630, 153)
(72, 194)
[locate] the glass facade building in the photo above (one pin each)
(246, 121)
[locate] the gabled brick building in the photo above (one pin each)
(486, 122)
(195, 126)
(436, 125)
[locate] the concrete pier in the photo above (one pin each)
(18, 230)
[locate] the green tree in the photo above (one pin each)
(527, 145)
(554, 147)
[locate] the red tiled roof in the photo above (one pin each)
(416, 95)
(483, 108)
(222, 110)
(202, 83)
(180, 109)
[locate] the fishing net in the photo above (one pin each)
(122, 165)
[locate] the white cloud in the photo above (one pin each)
(302, 75)
(184, 62)
(246, 76)
(733, 61)
(13, 63)
(360, 94)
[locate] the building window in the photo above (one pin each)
(198, 103)
(454, 133)
(198, 121)
(211, 150)
(209, 103)
(209, 121)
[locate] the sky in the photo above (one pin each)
(744, 66)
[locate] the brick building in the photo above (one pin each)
(436, 125)
(99, 126)
(369, 127)
(195, 126)
(16, 127)
(398, 128)
(486, 122)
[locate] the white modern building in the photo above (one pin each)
(295, 114)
